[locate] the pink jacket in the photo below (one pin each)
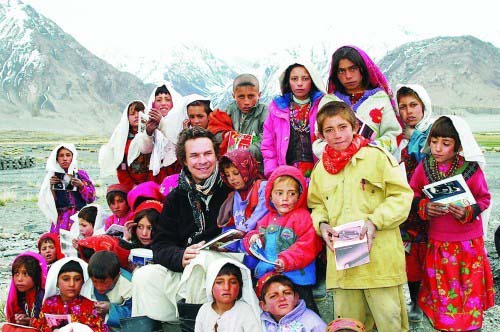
(277, 131)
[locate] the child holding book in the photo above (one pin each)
(112, 288)
(63, 298)
(246, 204)
(65, 189)
(458, 284)
(415, 110)
(24, 300)
(357, 181)
(286, 232)
(232, 304)
(283, 310)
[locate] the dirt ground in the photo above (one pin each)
(21, 223)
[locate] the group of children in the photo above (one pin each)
(317, 160)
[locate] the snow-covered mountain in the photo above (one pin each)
(50, 82)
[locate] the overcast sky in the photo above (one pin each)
(249, 28)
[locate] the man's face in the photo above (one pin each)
(200, 158)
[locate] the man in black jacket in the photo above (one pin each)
(188, 219)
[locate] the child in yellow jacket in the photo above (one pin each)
(358, 181)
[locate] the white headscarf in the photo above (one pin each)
(315, 77)
(470, 149)
(172, 124)
(163, 153)
(51, 288)
(426, 120)
(248, 294)
(111, 153)
(46, 201)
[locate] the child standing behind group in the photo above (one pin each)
(286, 232)
(289, 127)
(414, 106)
(356, 181)
(458, 284)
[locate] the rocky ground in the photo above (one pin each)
(21, 223)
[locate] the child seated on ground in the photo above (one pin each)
(49, 246)
(286, 232)
(345, 325)
(112, 288)
(90, 222)
(246, 204)
(24, 301)
(138, 232)
(283, 310)
(116, 197)
(63, 298)
(233, 305)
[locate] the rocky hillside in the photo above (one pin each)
(50, 82)
(460, 73)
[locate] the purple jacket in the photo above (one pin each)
(277, 131)
(300, 319)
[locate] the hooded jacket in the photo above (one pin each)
(276, 134)
(290, 237)
(300, 319)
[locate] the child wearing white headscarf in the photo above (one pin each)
(75, 188)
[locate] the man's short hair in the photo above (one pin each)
(193, 133)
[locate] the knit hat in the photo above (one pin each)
(263, 280)
(117, 187)
(149, 190)
(149, 204)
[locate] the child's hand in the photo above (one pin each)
(280, 267)
(185, 123)
(74, 242)
(191, 252)
(22, 319)
(328, 234)
(77, 183)
(254, 238)
(369, 230)
(102, 307)
(458, 212)
(407, 132)
(153, 121)
(128, 228)
(436, 209)
(54, 180)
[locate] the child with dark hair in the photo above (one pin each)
(458, 282)
(246, 204)
(162, 162)
(356, 80)
(24, 300)
(49, 246)
(286, 232)
(63, 298)
(122, 158)
(415, 110)
(116, 196)
(60, 198)
(138, 232)
(90, 222)
(112, 288)
(357, 181)
(232, 304)
(289, 128)
(282, 308)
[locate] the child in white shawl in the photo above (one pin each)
(65, 189)
(233, 305)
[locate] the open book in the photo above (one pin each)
(56, 321)
(450, 190)
(350, 251)
(223, 239)
(258, 251)
(115, 230)
(239, 141)
(366, 130)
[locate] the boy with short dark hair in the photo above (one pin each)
(246, 113)
(282, 308)
(112, 288)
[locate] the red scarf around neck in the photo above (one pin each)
(335, 161)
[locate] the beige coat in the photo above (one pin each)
(371, 186)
